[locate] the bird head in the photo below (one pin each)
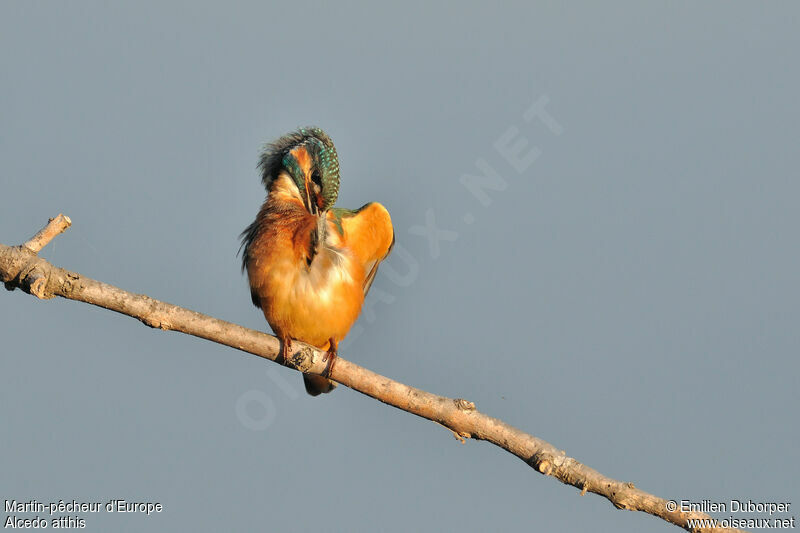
(309, 159)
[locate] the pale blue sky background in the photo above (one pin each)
(631, 296)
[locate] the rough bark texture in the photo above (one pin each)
(20, 267)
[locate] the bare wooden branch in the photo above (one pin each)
(55, 227)
(20, 267)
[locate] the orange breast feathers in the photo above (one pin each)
(309, 296)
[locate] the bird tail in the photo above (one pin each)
(316, 385)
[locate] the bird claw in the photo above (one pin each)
(330, 353)
(286, 349)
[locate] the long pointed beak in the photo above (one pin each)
(310, 206)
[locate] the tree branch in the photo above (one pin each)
(54, 228)
(20, 267)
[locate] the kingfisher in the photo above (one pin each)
(310, 264)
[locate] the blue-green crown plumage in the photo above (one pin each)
(273, 159)
(277, 156)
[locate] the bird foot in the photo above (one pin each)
(286, 349)
(330, 357)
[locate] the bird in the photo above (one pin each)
(309, 264)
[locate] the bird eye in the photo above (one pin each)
(317, 178)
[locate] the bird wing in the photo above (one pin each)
(368, 233)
